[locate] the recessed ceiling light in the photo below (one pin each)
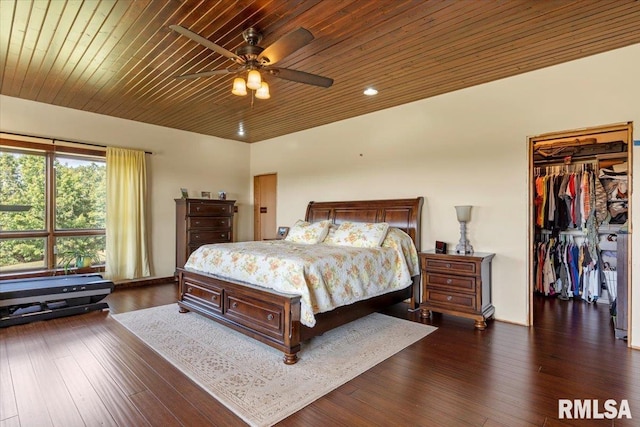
(370, 91)
(241, 132)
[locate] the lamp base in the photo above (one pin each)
(464, 249)
(463, 246)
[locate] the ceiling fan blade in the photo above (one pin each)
(205, 42)
(300, 77)
(203, 74)
(285, 46)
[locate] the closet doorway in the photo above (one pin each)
(580, 220)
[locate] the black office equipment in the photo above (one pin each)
(28, 300)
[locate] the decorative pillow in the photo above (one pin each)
(308, 233)
(359, 234)
(332, 232)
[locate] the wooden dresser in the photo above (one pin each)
(200, 222)
(457, 284)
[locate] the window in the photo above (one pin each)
(53, 207)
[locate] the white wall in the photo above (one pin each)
(179, 159)
(466, 147)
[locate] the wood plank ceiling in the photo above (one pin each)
(119, 58)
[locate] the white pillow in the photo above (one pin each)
(308, 233)
(359, 234)
(332, 232)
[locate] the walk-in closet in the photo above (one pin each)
(580, 219)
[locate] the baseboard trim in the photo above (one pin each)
(144, 281)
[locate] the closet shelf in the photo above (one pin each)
(603, 229)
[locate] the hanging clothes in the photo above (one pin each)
(566, 269)
(566, 198)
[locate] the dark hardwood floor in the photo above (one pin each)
(87, 370)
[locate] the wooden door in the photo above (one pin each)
(264, 202)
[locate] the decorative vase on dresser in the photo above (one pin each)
(200, 222)
(458, 284)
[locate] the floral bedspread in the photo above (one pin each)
(325, 276)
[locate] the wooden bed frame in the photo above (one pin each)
(274, 318)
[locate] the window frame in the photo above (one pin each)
(50, 233)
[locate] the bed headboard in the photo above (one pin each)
(404, 214)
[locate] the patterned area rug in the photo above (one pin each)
(249, 377)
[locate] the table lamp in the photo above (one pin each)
(464, 215)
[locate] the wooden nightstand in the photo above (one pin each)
(457, 284)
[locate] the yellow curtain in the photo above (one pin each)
(127, 247)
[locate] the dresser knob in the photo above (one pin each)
(234, 305)
(214, 297)
(197, 208)
(448, 265)
(189, 289)
(449, 281)
(269, 316)
(197, 236)
(449, 298)
(197, 222)
(222, 235)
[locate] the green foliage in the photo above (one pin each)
(22, 182)
(81, 196)
(80, 204)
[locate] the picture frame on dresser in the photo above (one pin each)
(282, 233)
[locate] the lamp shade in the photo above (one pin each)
(239, 87)
(263, 91)
(464, 213)
(254, 80)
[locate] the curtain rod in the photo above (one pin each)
(61, 140)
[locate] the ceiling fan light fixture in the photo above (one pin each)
(254, 80)
(263, 91)
(239, 87)
(370, 91)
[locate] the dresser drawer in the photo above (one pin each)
(262, 316)
(452, 300)
(203, 237)
(451, 282)
(209, 209)
(210, 297)
(214, 223)
(430, 264)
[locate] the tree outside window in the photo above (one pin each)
(36, 234)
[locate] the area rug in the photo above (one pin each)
(249, 377)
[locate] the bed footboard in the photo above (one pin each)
(270, 317)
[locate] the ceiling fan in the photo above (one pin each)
(255, 59)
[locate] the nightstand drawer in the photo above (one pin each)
(446, 265)
(451, 299)
(455, 283)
